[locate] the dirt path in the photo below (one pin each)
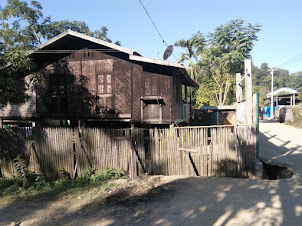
(188, 201)
(281, 144)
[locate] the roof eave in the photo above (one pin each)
(179, 66)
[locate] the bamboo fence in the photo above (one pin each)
(193, 151)
(51, 150)
(203, 151)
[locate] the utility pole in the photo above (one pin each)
(272, 95)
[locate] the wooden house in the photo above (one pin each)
(84, 78)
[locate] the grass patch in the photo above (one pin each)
(297, 117)
(41, 189)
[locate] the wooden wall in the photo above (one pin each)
(69, 89)
(177, 103)
(137, 91)
(83, 99)
(166, 91)
(122, 89)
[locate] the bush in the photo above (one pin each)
(5, 183)
(22, 169)
(88, 172)
(108, 174)
(40, 181)
(297, 114)
(89, 175)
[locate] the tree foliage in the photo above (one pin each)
(23, 27)
(228, 46)
(193, 47)
(221, 59)
(262, 78)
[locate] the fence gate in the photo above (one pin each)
(202, 151)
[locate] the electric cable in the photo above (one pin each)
(156, 28)
(291, 61)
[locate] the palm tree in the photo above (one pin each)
(193, 47)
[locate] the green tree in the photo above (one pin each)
(281, 77)
(193, 47)
(295, 81)
(53, 28)
(23, 27)
(14, 42)
(261, 81)
(228, 46)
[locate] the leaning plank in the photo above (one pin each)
(189, 149)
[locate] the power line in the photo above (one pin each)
(156, 28)
(291, 61)
(67, 51)
(74, 51)
(153, 23)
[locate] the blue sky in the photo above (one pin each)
(279, 40)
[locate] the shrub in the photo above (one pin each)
(88, 172)
(89, 175)
(22, 169)
(297, 114)
(108, 174)
(5, 183)
(40, 181)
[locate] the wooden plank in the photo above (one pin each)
(195, 149)
(238, 87)
(248, 90)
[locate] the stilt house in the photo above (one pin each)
(83, 78)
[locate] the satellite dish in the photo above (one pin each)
(168, 52)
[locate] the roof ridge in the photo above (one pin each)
(88, 38)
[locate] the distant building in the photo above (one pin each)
(284, 90)
(284, 96)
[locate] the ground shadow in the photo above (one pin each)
(194, 200)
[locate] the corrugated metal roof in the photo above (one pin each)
(284, 89)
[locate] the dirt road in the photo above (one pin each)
(281, 144)
(192, 201)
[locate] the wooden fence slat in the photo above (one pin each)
(215, 151)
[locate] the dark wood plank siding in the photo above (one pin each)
(152, 113)
(165, 92)
(122, 82)
(87, 54)
(177, 99)
(151, 85)
(128, 82)
(88, 73)
(137, 92)
(86, 69)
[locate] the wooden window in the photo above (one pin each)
(151, 86)
(105, 83)
(57, 89)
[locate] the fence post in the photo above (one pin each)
(248, 90)
(256, 121)
(238, 87)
